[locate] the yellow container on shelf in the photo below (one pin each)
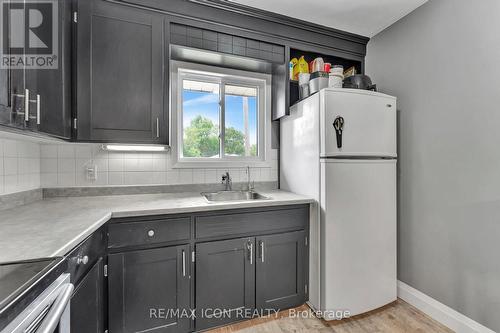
(300, 67)
(293, 62)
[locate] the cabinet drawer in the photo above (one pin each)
(85, 255)
(258, 222)
(148, 232)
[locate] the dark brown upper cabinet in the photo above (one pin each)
(37, 95)
(121, 86)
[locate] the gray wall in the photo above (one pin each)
(443, 63)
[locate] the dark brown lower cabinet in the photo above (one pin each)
(87, 302)
(280, 271)
(146, 288)
(225, 281)
(235, 277)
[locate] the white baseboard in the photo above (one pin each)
(440, 312)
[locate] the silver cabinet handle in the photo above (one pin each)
(26, 105)
(151, 233)
(38, 109)
(157, 127)
(52, 320)
(250, 249)
(183, 263)
(262, 251)
(13, 97)
(82, 260)
(37, 101)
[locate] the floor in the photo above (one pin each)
(393, 318)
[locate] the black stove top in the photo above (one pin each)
(21, 282)
(16, 276)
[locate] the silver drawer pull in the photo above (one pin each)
(183, 263)
(262, 251)
(151, 233)
(38, 109)
(26, 105)
(250, 252)
(37, 102)
(82, 260)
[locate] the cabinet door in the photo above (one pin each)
(87, 307)
(12, 85)
(281, 270)
(5, 97)
(120, 85)
(225, 281)
(146, 288)
(12, 94)
(50, 88)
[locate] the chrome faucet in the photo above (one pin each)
(250, 184)
(226, 179)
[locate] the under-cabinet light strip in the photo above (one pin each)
(117, 147)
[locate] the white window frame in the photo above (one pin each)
(184, 70)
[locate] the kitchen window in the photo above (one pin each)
(219, 115)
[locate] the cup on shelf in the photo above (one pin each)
(336, 76)
(335, 80)
(304, 85)
(304, 78)
(337, 69)
(304, 91)
(318, 65)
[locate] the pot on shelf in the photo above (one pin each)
(359, 81)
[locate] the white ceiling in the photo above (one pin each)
(362, 17)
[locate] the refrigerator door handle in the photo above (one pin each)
(338, 125)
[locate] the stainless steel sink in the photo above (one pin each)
(233, 196)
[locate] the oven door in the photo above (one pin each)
(48, 313)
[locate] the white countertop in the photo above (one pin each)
(54, 226)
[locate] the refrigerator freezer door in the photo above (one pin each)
(357, 123)
(358, 208)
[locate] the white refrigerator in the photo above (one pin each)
(339, 147)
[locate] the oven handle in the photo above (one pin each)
(52, 319)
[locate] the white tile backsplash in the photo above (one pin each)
(48, 151)
(199, 176)
(211, 176)
(48, 165)
(66, 151)
(83, 151)
(115, 178)
(115, 165)
(10, 166)
(48, 179)
(64, 165)
(19, 165)
(27, 165)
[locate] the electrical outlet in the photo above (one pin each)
(91, 172)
